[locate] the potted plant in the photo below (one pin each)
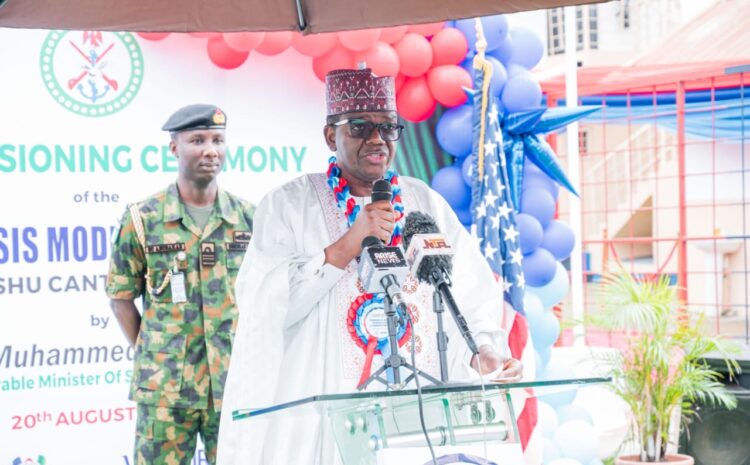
(660, 369)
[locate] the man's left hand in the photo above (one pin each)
(491, 360)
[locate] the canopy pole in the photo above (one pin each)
(301, 22)
(574, 174)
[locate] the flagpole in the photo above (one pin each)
(574, 174)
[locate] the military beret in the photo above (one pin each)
(198, 116)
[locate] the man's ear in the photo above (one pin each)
(173, 146)
(329, 132)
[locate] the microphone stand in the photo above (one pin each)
(395, 361)
(442, 337)
(439, 280)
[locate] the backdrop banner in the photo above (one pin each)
(79, 139)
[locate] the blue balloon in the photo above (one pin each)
(499, 74)
(545, 332)
(467, 26)
(530, 232)
(499, 77)
(534, 177)
(449, 183)
(504, 51)
(464, 216)
(539, 365)
(533, 307)
(565, 395)
(573, 412)
(555, 290)
(495, 30)
(545, 354)
(467, 170)
(515, 69)
(454, 131)
(521, 92)
(538, 203)
(528, 47)
(538, 267)
(558, 239)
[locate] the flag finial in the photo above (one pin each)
(481, 44)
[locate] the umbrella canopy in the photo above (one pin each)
(309, 16)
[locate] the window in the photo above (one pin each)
(624, 13)
(555, 31)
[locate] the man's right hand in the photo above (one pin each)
(376, 219)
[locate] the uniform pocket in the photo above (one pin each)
(161, 361)
(159, 265)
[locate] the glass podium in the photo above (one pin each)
(465, 423)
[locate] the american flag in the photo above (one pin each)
(492, 209)
(494, 219)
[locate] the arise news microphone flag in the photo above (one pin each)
(494, 224)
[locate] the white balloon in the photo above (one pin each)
(547, 419)
(550, 451)
(573, 412)
(609, 417)
(577, 440)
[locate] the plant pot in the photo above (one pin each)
(671, 459)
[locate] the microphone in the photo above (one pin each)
(383, 268)
(381, 190)
(430, 259)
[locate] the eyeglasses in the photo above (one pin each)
(362, 129)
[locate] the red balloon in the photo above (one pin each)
(447, 82)
(338, 58)
(391, 35)
(359, 40)
(204, 35)
(224, 56)
(427, 29)
(275, 43)
(243, 41)
(414, 53)
(153, 35)
(400, 79)
(449, 47)
(314, 45)
(414, 101)
(381, 58)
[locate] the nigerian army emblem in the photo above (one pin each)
(92, 73)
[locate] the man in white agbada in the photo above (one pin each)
(299, 281)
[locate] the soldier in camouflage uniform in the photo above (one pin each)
(181, 250)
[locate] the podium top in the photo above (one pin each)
(540, 388)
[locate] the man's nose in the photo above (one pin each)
(375, 137)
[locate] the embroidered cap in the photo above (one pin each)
(353, 90)
(198, 116)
